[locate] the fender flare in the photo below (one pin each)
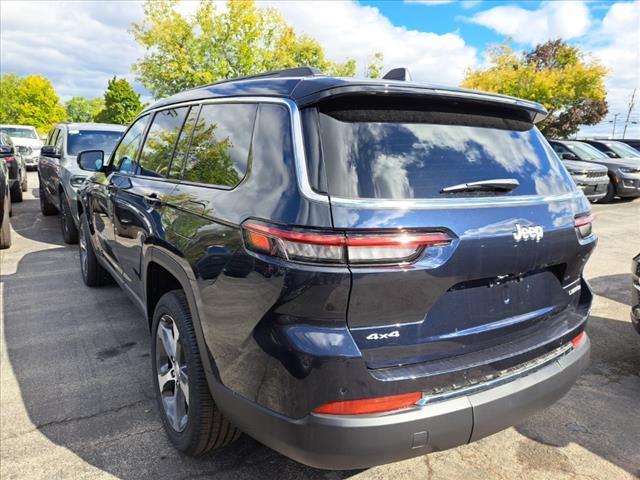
(183, 272)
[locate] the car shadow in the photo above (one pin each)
(81, 360)
(595, 414)
(615, 287)
(28, 222)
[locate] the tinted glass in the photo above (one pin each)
(156, 155)
(184, 141)
(18, 132)
(220, 145)
(124, 157)
(79, 140)
(584, 151)
(403, 154)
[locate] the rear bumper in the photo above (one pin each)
(349, 442)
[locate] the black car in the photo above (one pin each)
(624, 173)
(5, 205)
(352, 272)
(15, 166)
(590, 177)
(614, 149)
(635, 292)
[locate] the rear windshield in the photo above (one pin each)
(79, 140)
(393, 153)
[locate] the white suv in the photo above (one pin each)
(27, 141)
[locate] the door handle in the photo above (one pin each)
(153, 201)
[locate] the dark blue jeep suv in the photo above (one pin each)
(352, 272)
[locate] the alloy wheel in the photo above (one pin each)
(171, 368)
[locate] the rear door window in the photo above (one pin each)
(402, 151)
(221, 144)
(156, 155)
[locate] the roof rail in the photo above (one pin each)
(287, 72)
(398, 74)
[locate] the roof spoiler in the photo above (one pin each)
(401, 74)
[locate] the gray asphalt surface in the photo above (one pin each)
(77, 400)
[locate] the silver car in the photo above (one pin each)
(59, 174)
(27, 142)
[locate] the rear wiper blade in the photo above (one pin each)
(496, 185)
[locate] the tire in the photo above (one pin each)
(611, 193)
(93, 274)
(197, 425)
(46, 207)
(67, 225)
(16, 192)
(5, 228)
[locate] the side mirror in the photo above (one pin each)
(611, 154)
(91, 160)
(569, 156)
(6, 150)
(50, 151)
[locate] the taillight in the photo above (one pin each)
(577, 340)
(583, 225)
(9, 159)
(369, 405)
(313, 246)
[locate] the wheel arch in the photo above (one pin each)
(163, 273)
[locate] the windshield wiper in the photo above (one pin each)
(496, 185)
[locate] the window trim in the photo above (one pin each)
(310, 194)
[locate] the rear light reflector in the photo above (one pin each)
(583, 224)
(577, 340)
(369, 405)
(339, 247)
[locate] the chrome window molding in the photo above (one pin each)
(310, 194)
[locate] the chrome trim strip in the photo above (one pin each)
(529, 367)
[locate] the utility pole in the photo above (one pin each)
(615, 118)
(631, 105)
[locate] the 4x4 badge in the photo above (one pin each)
(528, 233)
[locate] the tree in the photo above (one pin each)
(82, 109)
(374, 66)
(29, 100)
(555, 74)
(211, 45)
(121, 103)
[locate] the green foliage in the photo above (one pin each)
(121, 103)
(82, 109)
(374, 66)
(555, 74)
(212, 45)
(29, 100)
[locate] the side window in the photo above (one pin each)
(60, 140)
(182, 147)
(220, 145)
(124, 158)
(157, 152)
(51, 137)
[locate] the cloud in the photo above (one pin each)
(79, 46)
(351, 30)
(558, 19)
(429, 3)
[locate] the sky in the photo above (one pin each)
(80, 45)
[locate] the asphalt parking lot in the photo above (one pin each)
(77, 397)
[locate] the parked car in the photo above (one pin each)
(614, 149)
(15, 166)
(5, 206)
(634, 142)
(624, 173)
(58, 171)
(635, 292)
(590, 177)
(27, 142)
(405, 263)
